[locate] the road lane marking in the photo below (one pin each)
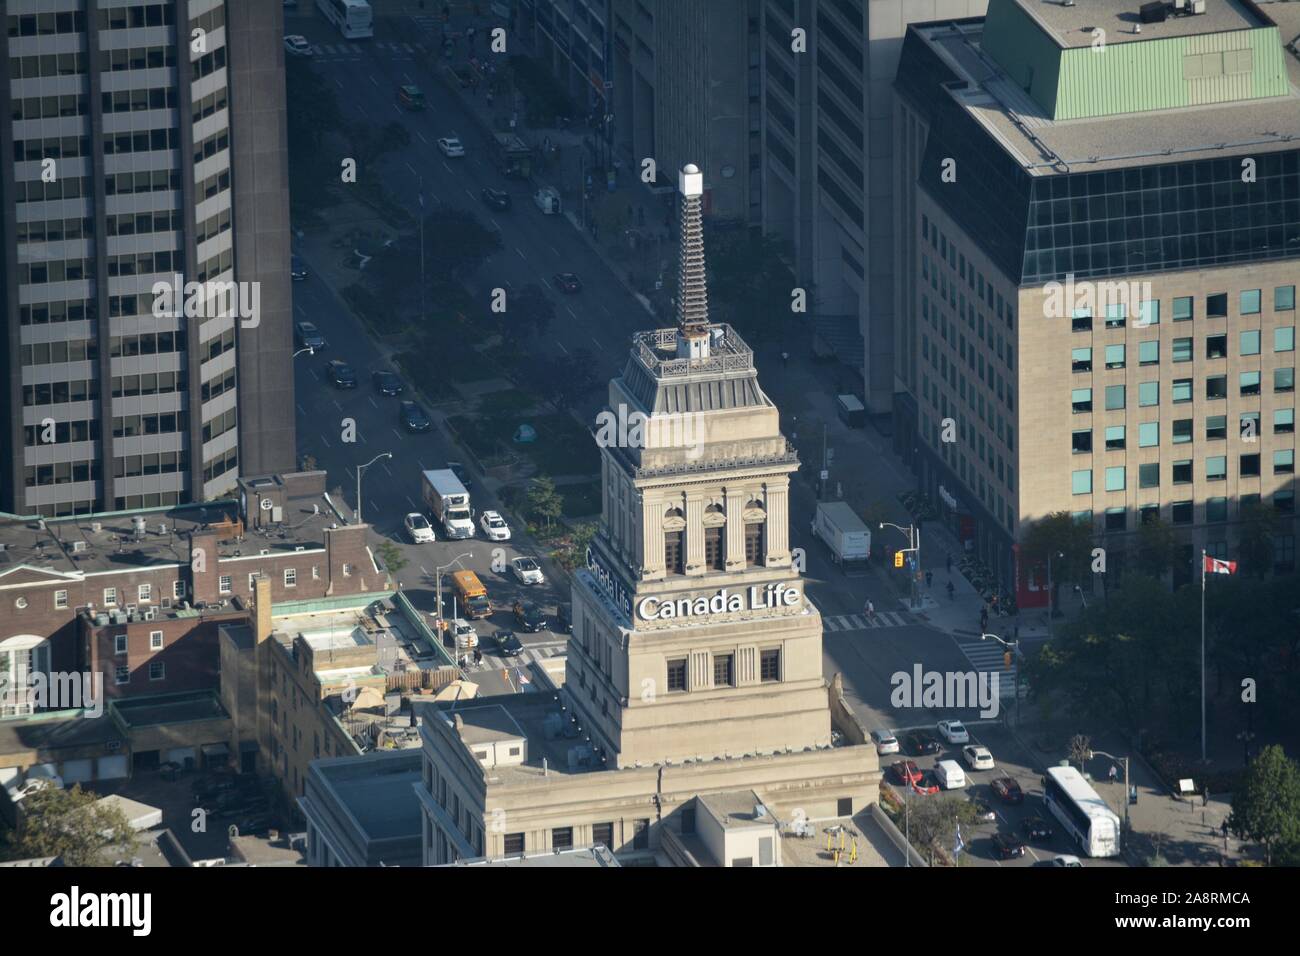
(445, 166)
(412, 169)
(521, 254)
(337, 405)
(373, 80)
(421, 135)
(404, 75)
(372, 401)
(557, 342)
(399, 437)
(327, 444)
(571, 312)
(421, 464)
(414, 507)
(385, 467)
(556, 251)
(597, 341)
(469, 194)
(301, 410)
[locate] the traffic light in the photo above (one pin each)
(1006, 658)
(898, 559)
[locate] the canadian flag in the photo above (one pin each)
(1215, 566)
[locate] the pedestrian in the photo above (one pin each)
(870, 610)
(929, 578)
(1205, 796)
(785, 359)
(1113, 773)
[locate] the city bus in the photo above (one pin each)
(354, 18)
(1083, 814)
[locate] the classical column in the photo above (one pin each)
(652, 537)
(695, 533)
(778, 525)
(735, 534)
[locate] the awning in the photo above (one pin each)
(215, 750)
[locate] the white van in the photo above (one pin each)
(949, 774)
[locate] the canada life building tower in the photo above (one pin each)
(692, 637)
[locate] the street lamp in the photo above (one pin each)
(360, 469)
(1102, 753)
(309, 350)
(914, 545)
(1051, 603)
(1014, 647)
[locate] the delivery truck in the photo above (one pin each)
(448, 503)
(848, 538)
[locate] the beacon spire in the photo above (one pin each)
(692, 288)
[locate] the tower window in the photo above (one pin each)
(714, 553)
(722, 670)
(673, 552)
(754, 544)
(677, 674)
(770, 665)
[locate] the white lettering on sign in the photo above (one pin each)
(723, 601)
(609, 583)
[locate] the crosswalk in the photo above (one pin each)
(859, 622)
(988, 656)
(349, 51)
(529, 655)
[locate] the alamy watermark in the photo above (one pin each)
(208, 300)
(946, 690)
(1118, 299)
(635, 429)
(57, 690)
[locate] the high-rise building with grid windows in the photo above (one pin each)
(144, 141)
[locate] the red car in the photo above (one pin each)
(905, 772)
(1008, 790)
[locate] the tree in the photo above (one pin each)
(1157, 547)
(1068, 543)
(392, 557)
(1258, 522)
(1266, 806)
(1080, 749)
(530, 307)
(933, 821)
(68, 824)
(543, 500)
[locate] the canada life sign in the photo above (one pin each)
(722, 601)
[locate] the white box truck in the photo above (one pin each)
(843, 531)
(448, 503)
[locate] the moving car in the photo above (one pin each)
(418, 528)
(527, 571)
(309, 336)
(977, 757)
(905, 771)
(341, 374)
(494, 526)
(529, 616)
(387, 382)
(1036, 828)
(451, 147)
(297, 45)
(497, 199)
(413, 418)
(949, 774)
(1008, 790)
(297, 269)
(508, 645)
(886, 743)
(1065, 859)
(921, 743)
(409, 97)
(953, 731)
(464, 634)
(1007, 846)
(567, 282)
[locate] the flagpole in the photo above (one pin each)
(1203, 557)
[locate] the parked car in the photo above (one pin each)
(410, 97)
(418, 528)
(905, 771)
(921, 743)
(413, 417)
(297, 45)
(497, 199)
(451, 147)
(341, 374)
(494, 526)
(977, 757)
(297, 269)
(508, 645)
(1008, 790)
(529, 616)
(1036, 828)
(309, 336)
(527, 571)
(567, 282)
(886, 743)
(387, 382)
(953, 731)
(983, 812)
(1007, 847)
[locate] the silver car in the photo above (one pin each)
(886, 743)
(527, 571)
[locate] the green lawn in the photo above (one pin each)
(563, 447)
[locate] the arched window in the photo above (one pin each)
(674, 541)
(755, 534)
(715, 547)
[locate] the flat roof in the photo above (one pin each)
(597, 856)
(170, 708)
(377, 791)
(736, 809)
(485, 725)
(395, 644)
(1047, 147)
(1072, 26)
(551, 732)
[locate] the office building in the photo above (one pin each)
(148, 142)
(695, 663)
(1099, 229)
